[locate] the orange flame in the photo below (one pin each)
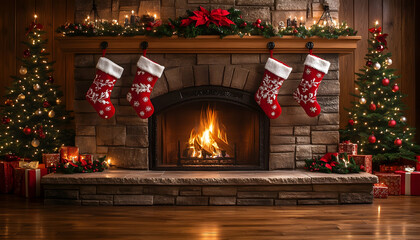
(210, 137)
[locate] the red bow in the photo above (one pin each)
(382, 38)
(375, 30)
(33, 26)
(203, 16)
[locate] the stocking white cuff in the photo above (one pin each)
(277, 68)
(151, 67)
(317, 63)
(109, 67)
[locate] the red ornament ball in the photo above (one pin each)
(392, 123)
(26, 53)
(50, 79)
(369, 63)
(295, 31)
(6, 120)
(372, 107)
(385, 82)
(27, 130)
(395, 88)
(46, 104)
(372, 138)
(380, 48)
(351, 122)
(258, 21)
(398, 142)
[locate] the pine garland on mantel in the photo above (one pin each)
(203, 22)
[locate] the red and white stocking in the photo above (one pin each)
(147, 74)
(266, 96)
(99, 93)
(305, 94)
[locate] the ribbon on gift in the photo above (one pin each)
(33, 184)
(29, 165)
(410, 182)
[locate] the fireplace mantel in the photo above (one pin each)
(207, 44)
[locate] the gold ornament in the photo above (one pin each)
(23, 70)
(51, 114)
(377, 66)
(36, 87)
(362, 100)
(35, 143)
(388, 61)
(38, 112)
(58, 101)
(403, 119)
(21, 96)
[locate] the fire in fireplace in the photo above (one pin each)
(214, 128)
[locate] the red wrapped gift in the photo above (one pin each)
(418, 163)
(363, 160)
(86, 157)
(410, 183)
(6, 175)
(392, 180)
(28, 182)
(390, 168)
(68, 154)
(347, 147)
(50, 159)
(380, 190)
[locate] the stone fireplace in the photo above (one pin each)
(190, 85)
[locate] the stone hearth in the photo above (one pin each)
(131, 187)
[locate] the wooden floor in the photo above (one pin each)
(392, 218)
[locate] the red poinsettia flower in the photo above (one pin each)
(204, 17)
(84, 163)
(74, 165)
(328, 166)
(218, 17)
(328, 156)
(334, 163)
(382, 38)
(375, 30)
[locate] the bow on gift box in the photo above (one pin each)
(204, 17)
(29, 165)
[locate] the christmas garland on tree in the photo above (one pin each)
(82, 166)
(203, 22)
(333, 163)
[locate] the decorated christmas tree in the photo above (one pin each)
(33, 116)
(376, 121)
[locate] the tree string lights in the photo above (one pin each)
(376, 122)
(233, 25)
(33, 115)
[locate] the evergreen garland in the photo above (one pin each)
(333, 163)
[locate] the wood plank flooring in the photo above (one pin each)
(392, 218)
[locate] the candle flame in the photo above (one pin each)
(35, 16)
(132, 12)
(377, 22)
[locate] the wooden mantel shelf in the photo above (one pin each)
(207, 44)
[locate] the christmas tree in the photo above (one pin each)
(33, 116)
(376, 121)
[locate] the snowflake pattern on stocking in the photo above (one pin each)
(306, 85)
(138, 88)
(95, 97)
(269, 89)
(305, 98)
(99, 83)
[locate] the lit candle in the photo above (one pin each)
(288, 21)
(88, 19)
(154, 16)
(35, 17)
(132, 18)
(301, 21)
(126, 20)
(376, 23)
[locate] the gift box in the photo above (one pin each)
(363, 160)
(410, 183)
(6, 175)
(380, 190)
(390, 168)
(50, 159)
(347, 147)
(418, 163)
(69, 154)
(392, 181)
(28, 182)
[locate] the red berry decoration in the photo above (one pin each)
(46, 104)
(262, 27)
(385, 82)
(392, 123)
(369, 63)
(27, 130)
(398, 142)
(295, 31)
(372, 107)
(372, 138)
(380, 48)
(26, 53)
(351, 122)
(50, 79)
(395, 88)
(6, 120)
(258, 21)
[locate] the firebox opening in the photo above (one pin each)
(209, 133)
